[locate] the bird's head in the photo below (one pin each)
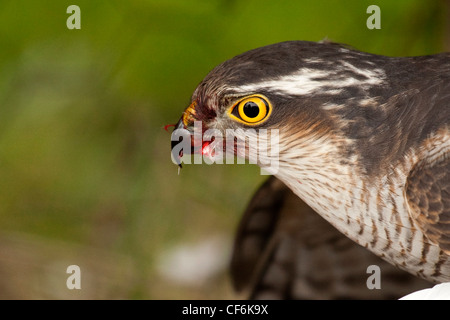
(291, 89)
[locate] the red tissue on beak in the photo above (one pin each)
(206, 149)
(167, 126)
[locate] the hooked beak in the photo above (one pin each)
(186, 122)
(173, 143)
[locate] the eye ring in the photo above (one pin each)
(252, 110)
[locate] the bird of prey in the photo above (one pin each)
(364, 140)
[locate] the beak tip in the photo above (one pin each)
(176, 157)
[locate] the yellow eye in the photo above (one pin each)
(252, 110)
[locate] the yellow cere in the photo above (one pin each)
(189, 113)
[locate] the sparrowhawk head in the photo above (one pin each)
(363, 139)
(304, 89)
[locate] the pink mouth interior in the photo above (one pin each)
(197, 145)
(206, 149)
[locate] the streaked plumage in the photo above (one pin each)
(364, 140)
(285, 250)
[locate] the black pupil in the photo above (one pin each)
(251, 109)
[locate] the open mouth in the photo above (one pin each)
(204, 148)
(207, 149)
(196, 145)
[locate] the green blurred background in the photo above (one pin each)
(85, 170)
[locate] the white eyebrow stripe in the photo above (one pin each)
(304, 81)
(373, 76)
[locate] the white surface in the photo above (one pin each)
(438, 292)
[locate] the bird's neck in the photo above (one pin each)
(336, 188)
(316, 174)
(369, 209)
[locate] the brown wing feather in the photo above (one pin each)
(428, 195)
(254, 239)
(285, 250)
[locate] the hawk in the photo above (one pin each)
(364, 140)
